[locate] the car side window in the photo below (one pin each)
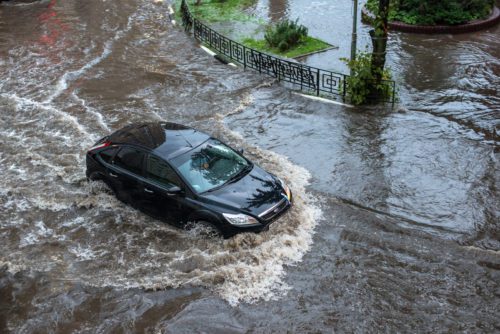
(159, 171)
(108, 154)
(131, 159)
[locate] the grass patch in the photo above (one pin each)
(308, 45)
(212, 11)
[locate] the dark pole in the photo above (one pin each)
(354, 31)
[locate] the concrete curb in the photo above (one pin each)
(321, 99)
(439, 29)
(217, 56)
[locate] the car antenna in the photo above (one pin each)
(187, 141)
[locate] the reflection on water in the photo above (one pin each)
(455, 77)
(266, 195)
(210, 166)
(366, 139)
(278, 10)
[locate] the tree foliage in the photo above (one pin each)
(363, 86)
(432, 12)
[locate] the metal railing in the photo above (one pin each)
(308, 79)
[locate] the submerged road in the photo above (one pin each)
(395, 226)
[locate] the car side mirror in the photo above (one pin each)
(174, 190)
(240, 151)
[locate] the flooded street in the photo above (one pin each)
(395, 226)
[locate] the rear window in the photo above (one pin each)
(130, 159)
(108, 154)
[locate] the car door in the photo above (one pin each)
(124, 172)
(163, 192)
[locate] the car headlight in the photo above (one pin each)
(240, 219)
(285, 188)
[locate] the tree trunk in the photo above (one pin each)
(379, 40)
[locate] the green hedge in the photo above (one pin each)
(432, 12)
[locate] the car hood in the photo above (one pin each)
(254, 193)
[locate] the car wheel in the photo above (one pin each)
(204, 229)
(94, 176)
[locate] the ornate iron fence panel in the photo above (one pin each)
(306, 78)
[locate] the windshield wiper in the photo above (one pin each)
(239, 175)
(234, 178)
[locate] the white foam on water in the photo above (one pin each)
(98, 196)
(62, 83)
(291, 237)
(22, 4)
(82, 253)
(29, 239)
(22, 103)
(71, 170)
(20, 172)
(73, 222)
(13, 267)
(482, 251)
(92, 111)
(40, 231)
(52, 203)
(16, 204)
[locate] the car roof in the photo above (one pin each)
(164, 139)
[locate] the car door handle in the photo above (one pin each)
(149, 191)
(112, 175)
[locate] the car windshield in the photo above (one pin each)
(210, 165)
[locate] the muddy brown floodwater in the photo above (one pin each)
(395, 226)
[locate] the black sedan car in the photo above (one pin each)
(180, 175)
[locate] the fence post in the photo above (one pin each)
(301, 78)
(393, 93)
(344, 86)
(317, 82)
(244, 57)
(260, 62)
(209, 35)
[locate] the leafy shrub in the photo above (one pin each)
(362, 87)
(432, 12)
(285, 34)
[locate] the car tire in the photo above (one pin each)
(96, 176)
